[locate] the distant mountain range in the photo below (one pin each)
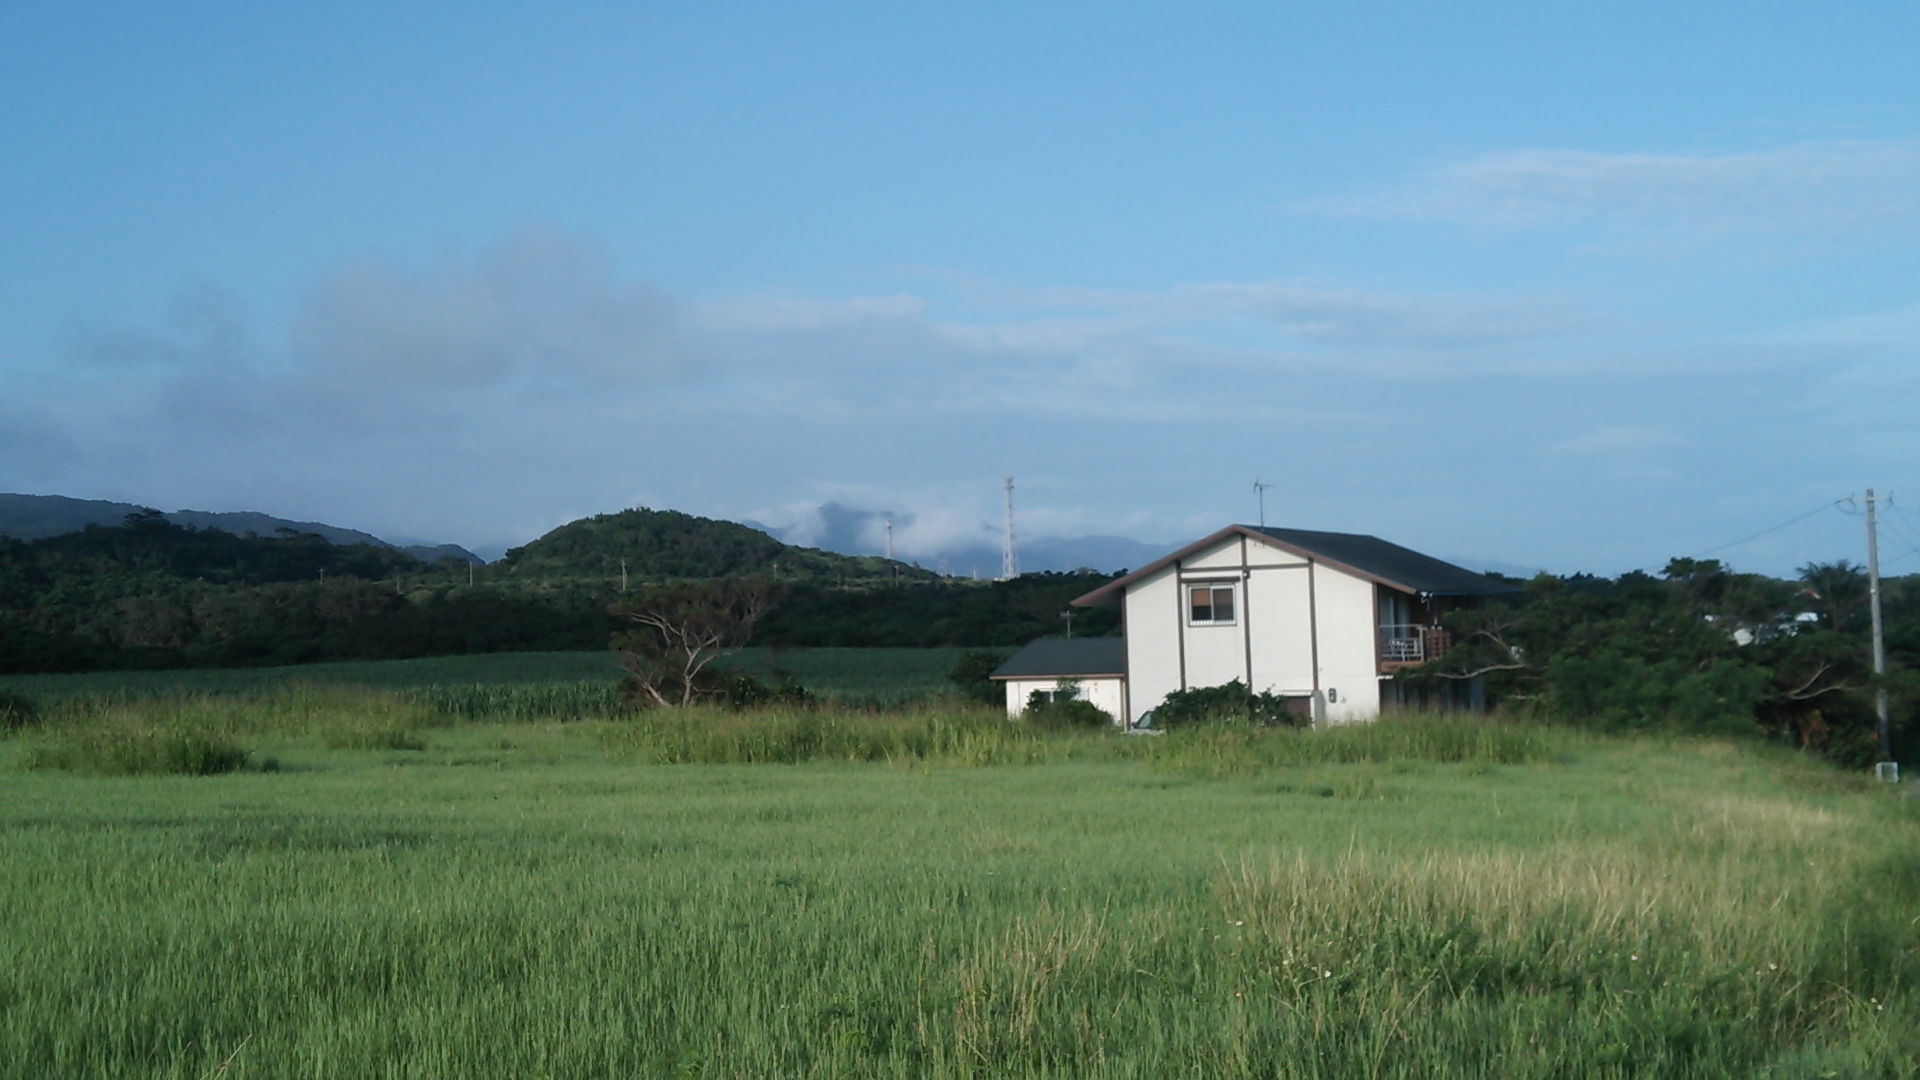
(34, 517)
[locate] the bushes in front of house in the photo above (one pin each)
(1230, 702)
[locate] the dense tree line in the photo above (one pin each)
(925, 615)
(1701, 647)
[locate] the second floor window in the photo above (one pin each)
(1209, 605)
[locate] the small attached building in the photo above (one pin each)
(1091, 669)
(1325, 617)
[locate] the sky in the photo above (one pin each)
(1580, 288)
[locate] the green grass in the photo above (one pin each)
(1421, 899)
(482, 669)
(877, 675)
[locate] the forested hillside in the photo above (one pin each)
(36, 517)
(665, 545)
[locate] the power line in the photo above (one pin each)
(1764, 532)
(1902, 533)
(1909, 530)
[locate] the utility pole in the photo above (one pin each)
(469, 574)
(889, 537)
(623, 573)
(1879, 642)
(1010, 558)
(1260, 492)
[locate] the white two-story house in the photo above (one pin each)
(1324, 618)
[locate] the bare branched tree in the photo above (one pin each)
(1483, 648)
(687, 627)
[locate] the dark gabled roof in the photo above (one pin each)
(1367, 556)
(1391, 563)
(1061, 657)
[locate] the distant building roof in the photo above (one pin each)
(1046, 658)
(1367, 556)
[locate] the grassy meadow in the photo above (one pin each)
(378, 882)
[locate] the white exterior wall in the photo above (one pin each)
(1222, 556)
(1349, 665)
(1278, 622)
(1153, 633)
(1283, 604)
(1107, 694)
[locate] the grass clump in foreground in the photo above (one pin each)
(600, 902)
(960, 735)
(1235, 748)
(964, 734)
(133, 751)
(199, 734)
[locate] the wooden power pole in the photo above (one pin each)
(1879, 641)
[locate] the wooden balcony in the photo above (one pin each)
(1407, 645)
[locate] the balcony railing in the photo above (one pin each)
(1413, 643)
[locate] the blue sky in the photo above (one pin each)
(1571, 289)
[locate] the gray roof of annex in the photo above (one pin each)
(1059, 658)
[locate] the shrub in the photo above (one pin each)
(1231, 702)
(744, 691)
(1063, 713)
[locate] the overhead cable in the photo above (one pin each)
(1763, 532)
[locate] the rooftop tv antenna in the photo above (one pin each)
(1260, 492)
(1010, 558)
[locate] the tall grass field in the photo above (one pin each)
(374, 882)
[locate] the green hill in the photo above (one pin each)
(39, 517)
(664, 545)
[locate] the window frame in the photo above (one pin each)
(1213, 589)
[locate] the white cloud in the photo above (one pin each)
(1817, 188)
(540, 306)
